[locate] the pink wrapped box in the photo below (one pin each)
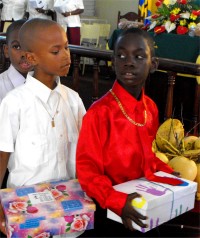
(47, 209)
(159, 202)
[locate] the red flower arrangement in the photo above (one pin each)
(175, 16)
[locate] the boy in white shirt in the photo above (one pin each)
(16, 73)
(41, 119)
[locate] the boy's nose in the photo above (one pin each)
(130, 60)
(22, 54)
(67, 56)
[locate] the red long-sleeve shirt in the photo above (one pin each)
(112, 150)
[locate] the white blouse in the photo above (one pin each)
(13, 9)
(73, 20)
(33, 13)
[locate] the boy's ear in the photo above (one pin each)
(31, 58)
(154, 64)
(5, 51)
(113, 62)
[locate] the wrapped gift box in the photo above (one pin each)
(47, 209)
(38, 4)
(159, 202)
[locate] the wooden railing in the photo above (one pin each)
(172, 67)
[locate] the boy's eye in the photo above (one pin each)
(55, 52)
(140, 57)
(17, 47)
(121, 56)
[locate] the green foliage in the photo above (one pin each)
(164, 10)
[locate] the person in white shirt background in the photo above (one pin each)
(44, 12)
(70, 20)
(13, 10)
(19, 67)
(17, 72)
(1, 5)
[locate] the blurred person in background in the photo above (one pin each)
(16, 74)
(70, 19)
(12, 10)
(45, 12)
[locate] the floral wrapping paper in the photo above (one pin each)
(47, 209)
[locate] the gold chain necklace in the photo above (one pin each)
(125, 114)
(52, 117)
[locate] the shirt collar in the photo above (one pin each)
(16, 78)
(127, 99)
(39, 89)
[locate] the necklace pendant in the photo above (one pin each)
(52, 123)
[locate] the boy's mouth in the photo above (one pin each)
(25, 65)
(129, 74)
(66, 66)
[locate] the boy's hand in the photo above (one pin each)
(2, 221)
(40, 10)
(129, 214)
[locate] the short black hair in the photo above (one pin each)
(140, 32)
(29, 31)
(16, 25)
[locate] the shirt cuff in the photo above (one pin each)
(116, 201)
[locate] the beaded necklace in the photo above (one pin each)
(125, 114)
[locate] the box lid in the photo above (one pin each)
(151, 191)
(45, 200)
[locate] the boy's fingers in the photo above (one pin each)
(3, 227)
(128, 224)
(2, 221)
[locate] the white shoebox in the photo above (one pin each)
(159, 202)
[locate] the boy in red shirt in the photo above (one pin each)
(116, 136)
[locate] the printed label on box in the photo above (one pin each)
(41, 197)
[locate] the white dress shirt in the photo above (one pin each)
(73, 20)
(13, 9)
(9, 80)
(33, 13)
(40, 152)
